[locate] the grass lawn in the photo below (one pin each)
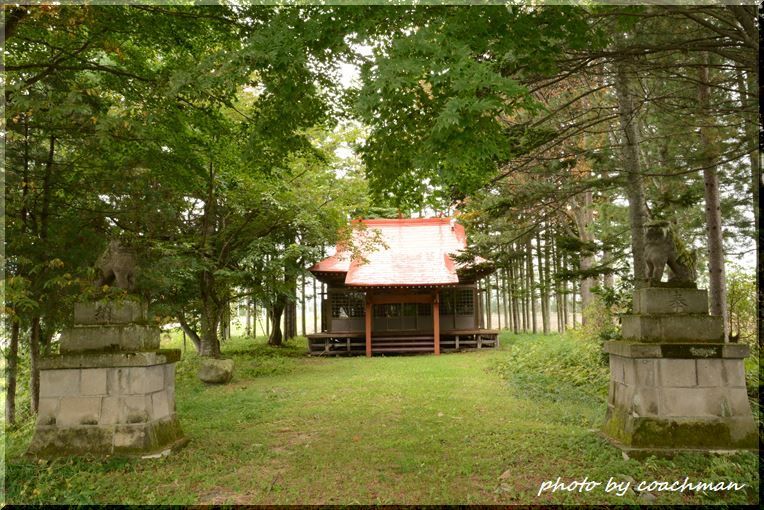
(481, 427)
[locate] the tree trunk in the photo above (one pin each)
(275, 312)
(531, 285)
(290, 307)
(315, 307)
(717, 291)
(498, 298)
(504, 298)
(10, 374)
(248, 305)
(34, 364)
(584, 216)
(190, 333)
(513, 286)
(302, 305)
(225, 321)
(488, 300)
(635, 188)
(547, 282)
(210, 313)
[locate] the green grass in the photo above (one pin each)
(483, 427)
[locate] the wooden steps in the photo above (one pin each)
(351, 345)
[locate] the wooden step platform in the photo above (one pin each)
(354, 343)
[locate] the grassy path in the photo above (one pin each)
(419, 429)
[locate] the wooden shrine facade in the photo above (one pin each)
(400, 301)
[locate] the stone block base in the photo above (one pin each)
(113, 337)
(135, 439)
(678, 397)
(107, 403)
(663, 328)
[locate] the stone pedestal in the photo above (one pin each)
(110, 391)
(674, 384)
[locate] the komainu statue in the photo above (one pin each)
(663, 247)
(117, 267)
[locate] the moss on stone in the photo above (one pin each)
(51, 442)
(647, 432)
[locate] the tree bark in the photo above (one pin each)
(547, 279)
(11, 373)
(210, 312)
(543, 297)
(210, 343)
(583, 215)
(504, 298)
(190, 333)
(717, 291)
(488, 300)
(315, 307)
(531, 285)
(275, 312)
(34, 364)
(498, 299)
(513, 286)
(248, 304)
(635, 187)
(302, 305)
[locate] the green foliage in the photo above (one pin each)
(439, 92)
(741, 304)
(556, 368)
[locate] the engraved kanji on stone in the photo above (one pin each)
(103, 312)
(677, 302)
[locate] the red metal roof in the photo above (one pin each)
(417, 252)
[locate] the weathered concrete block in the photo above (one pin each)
(645, 372)
(616, 368)
(661, 300)
(688, 402)
(93, 381)
(79, 411)
(710, 372)
(130, 437)
(105, 312)
(624, 397)
(118, 381)
(110, 411)
(629, 376)
(733, 372)
(735, 351)
(130, 337)
(738, 400)
(47, 410)
(57, 383)
(54, 441)
(646, 402)
(110, 359)
(154, 378)
(677, 373)
(216, 371)
(135, 409)
(160, 405)
(673, 328)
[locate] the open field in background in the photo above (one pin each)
(479, 427)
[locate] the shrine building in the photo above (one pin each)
(404, 294)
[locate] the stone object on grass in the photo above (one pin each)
(110, 391)
(216, 371)
(674, 384)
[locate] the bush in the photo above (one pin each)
(557, 367)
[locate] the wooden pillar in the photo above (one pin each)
(367, 316)
(436, 322)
